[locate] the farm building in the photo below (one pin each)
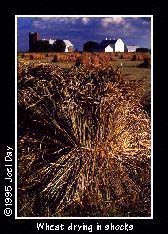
(132, 48)
(116, 44)
(69, 47)
(51, 41)
(45, 45)
(108, 45)
(91, 46)
(109, 48)
(142, 50)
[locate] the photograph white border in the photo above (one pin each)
(16, 43)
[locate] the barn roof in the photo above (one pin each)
(104, 46)
(107, 42)
(99, 46)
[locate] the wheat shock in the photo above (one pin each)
(83, 143)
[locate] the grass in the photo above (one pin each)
(131, 71)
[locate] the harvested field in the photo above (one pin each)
(69, 57)
(83, 142)
(140, 56)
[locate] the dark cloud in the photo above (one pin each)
(133, 30)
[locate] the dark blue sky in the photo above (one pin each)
(132, 30)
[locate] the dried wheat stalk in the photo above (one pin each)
(84, 143)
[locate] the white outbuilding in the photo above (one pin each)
(132, 48)
(109, 48)
(69, 46)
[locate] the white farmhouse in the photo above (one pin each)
(119, 45)
(116, 44)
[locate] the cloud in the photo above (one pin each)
(59, 19)
(119, 27)
(146, 22)
(112, 20)
(85, 20)
(47, 22)
(55, 23)
(39, 24)
(66, 20)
